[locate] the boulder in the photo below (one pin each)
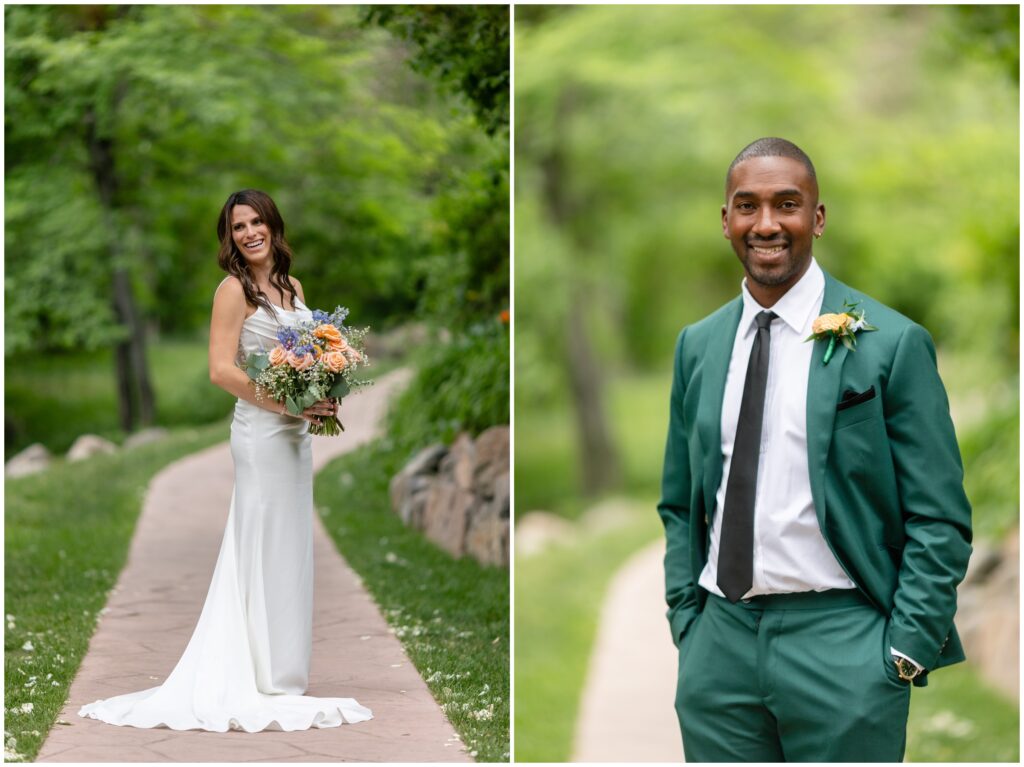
(500, 495)
(988, 614)
(537, 530)
(89, 445)
(487, 539)
(425, 462)
(413, 503)
(492, 458)
(459, 496)
(446, 516)
(32, 459)
(460, 462)
(145, 437)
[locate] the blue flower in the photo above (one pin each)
(320, 316)
(338, 316)
(288, 337)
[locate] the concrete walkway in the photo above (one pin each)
(153, 609)
(626, 712)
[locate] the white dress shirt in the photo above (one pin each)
(790, 553)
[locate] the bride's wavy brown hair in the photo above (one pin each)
(233, 262)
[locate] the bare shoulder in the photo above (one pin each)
(229, 298)
(230, 287)
(298, 288)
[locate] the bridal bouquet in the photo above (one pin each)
(314, 360)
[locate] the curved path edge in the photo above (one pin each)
(151, 612)
(627, 709)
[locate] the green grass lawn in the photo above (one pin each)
(558, 600)
(452, 616)
(958, 718)
(55, 398)
(67, 532)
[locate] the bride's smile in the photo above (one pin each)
(250, 234)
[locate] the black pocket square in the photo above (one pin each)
(851, 398)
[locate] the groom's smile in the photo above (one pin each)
(771, 216)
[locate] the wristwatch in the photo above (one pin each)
(907, 670)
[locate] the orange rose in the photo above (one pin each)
(335, 361)
(830, 323)
(300, 362)
(278, 356)
(327, 332)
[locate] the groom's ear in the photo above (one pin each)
(725, 222)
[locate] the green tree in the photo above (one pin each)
(630, 118)
(127, 127)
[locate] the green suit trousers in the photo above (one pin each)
(791, 677)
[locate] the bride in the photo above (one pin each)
(246, 666)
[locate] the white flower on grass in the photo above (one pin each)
(26, 708)
(28, 646)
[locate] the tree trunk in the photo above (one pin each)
(600, 464)
(135, 394)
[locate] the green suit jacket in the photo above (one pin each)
(886, 475)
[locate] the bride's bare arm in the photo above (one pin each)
(229, 312)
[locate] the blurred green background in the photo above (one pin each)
(382, 133)
(626, 121)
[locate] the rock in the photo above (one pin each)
(459, 496)
(536, 530)
(32, 459)
(423, 463)
(446, 516)
(145, 437)
(396, 342)
(487, 539)
(426, 460)
(460, 461)
(414, 502)
(492, 458)
(984, 559)
(988, 614)
(607, 515)
(500, 495)
(89, 445)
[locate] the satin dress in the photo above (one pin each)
(246, 666)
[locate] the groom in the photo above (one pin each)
(812, 498)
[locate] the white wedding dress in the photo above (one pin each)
(246, 666)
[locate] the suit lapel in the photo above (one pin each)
(716, 367)
(822, 395)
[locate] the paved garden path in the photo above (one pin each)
(153, 609)
(626, 712)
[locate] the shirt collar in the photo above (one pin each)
(795, 307)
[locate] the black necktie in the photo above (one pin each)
(736, 546)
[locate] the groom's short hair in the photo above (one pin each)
(772, 147)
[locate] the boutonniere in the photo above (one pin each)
(841, 327)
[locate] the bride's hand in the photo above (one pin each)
(316, 412)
